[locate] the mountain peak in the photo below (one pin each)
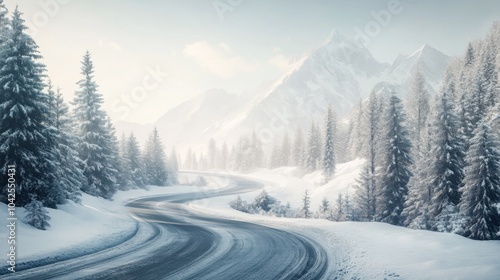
(426, 50)
(334, 38)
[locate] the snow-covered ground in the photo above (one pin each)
(365, 250)
(285, 184)
(357, 250)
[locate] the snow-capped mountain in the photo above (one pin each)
(339, 72)
(431, 62)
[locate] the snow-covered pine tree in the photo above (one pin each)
(481, 88)
(299, 150)
(115, 157)
(324, 208)
(70, 175)
(134, 165)
(224, 157)
(124, 177)
(329, 150)
(26, 138)
(417, 106)
(347, 206)
(416, 209)
(326, 211)
(371, 126)
(154, 159)
(94, 145)
(306, 205)
(446, 163)
(489, 74)
(356, 145)
(243, 156)
(4, 23)
(37, 216)
(341, 139)
(285, 151)
(188, 163)
(173, 165)
(256, 152)
(195, 164)
(313, 152)
(264, 201)
(481, 191)
(212, 153)
(364, 193)
(339, 208)
(274, 160)
(395, 164)
(466, 89)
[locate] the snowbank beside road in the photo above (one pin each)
(77, 229)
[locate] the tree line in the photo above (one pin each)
(59, 152)
(432, 162)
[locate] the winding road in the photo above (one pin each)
(174, 242)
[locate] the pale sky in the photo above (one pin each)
(236, 45)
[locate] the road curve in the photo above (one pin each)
(173, 242)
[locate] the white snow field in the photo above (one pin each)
(357, 250)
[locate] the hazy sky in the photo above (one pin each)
(232, 44)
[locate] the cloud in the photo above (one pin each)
(219, 59)
(280, 61)
(110, 44)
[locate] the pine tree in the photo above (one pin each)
(195, 164)
(27, 139)
(371, 126)
(256, 152)
(341, 139)
(416, 209)
(447, 163)
(306, 205)
(418, 108)
(481, 90)
(188, 164)
(124, 176)
(94, 146)
(173, 165)
(481, 191)
(134, 165)
(285, 151)
(364, 193)
(329, 150)
(298, 151)
(347, 206)
(4, 23)
(70, 175)
(396, 164)
(155, 163)
(36, 215)
(313, 152)
(224, 157)
(339, 208)
(264, 201)
(274, 160)
(324, 207)
(356, 145)
(115, 157)
(488, 80)
(212, 153)
(244, 159)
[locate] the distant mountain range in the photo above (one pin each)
(339, 72)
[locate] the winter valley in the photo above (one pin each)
(325, 164)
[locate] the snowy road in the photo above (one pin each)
(174, 242)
